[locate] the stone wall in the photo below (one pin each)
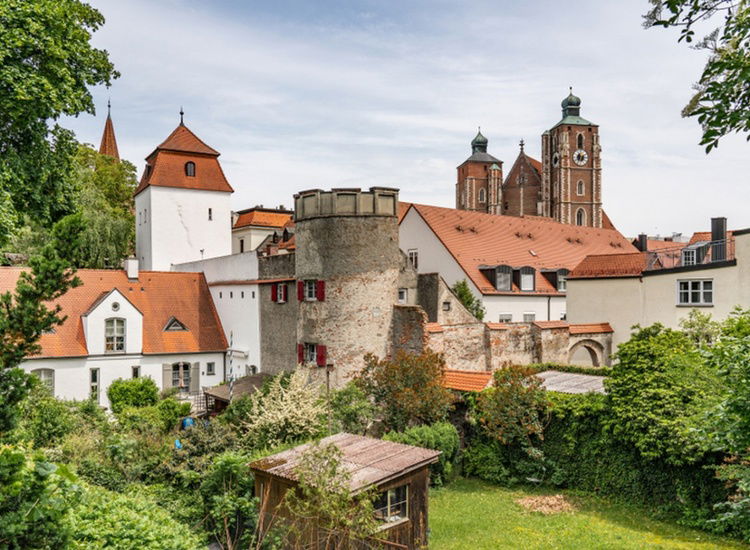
(408, 329)
(278, 330)
(274, 267)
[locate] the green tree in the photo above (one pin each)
(407, 389)
(351, 410)
(47, 64)
(722, 99)
(466, 297)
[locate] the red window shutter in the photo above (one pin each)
(300, 353)
(301, 291)
(274, 292)
(320, 355)
(283, 289)
(320, 291)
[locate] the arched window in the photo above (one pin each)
(190, 169)
(579, 187)
(581, 217)
(580, 141)
(114, 335)
(47, 376)
(482, 195)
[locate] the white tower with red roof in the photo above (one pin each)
(182, 204)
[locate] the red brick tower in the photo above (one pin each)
(480, 178)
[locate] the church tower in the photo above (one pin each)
(108, 145)
(571, 168)
(480, 178)
(182, 204)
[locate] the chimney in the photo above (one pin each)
(130, 265)
(642, 242)
(718, 238)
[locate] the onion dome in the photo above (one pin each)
(479, 143)
(571, 105)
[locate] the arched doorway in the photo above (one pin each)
(586, 353)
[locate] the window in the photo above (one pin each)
(210, 214)
(252, 294)
(94, 384)
(392, 505)
(579, 188)
(504, 277)
(114, 336)
(47, 377)
(413, 254)
(527, 279)
(310, 353)
(446, 306)
(210, 368)
(190, 169)
(310, 295)
(145, 216)
(279, 293)
(529, 317)
(220, 295)
(181, 376)
(231, 294)
(580, 141)
(135, 371)
(688, 256)
(140, 214)
(242, 245)
(482, 195)
(242, 294)
(562, 282)
(115, 306)
(505, 318)
(695, 292)
(563, 316)
(403, 295)
(581, 217)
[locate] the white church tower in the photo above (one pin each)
(182, 204)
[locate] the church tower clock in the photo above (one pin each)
(571, 168)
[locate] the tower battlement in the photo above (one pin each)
(351, 201)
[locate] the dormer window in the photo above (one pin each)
(526, 279)
(190, 169)
(503, 277)
(114, 335)
(173, 325)
(562, 280)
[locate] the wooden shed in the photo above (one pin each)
(217, 397)
(399, 473)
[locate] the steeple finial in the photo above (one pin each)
(182, 114)
(109, 107)
(521, 143)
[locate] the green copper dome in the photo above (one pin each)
(479, 143)
(571, 105)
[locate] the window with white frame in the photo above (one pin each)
(529, 317)
(181, 376)
(210, 368)
(527, 278)
(689, 256)
(47, 377)
(310, 294)
(135, 371)
(403, 295)
(503, 277)
(562, 282)
(94, 385)
(695, 292)
(114, 335)
(392, 505)
(413, 254)
(310, 355)
(505, 318)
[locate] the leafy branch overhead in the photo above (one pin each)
(722, 99)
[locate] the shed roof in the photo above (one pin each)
(243, 386)
(370, 462)
(569, 382)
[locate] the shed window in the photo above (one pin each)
(190, 169)
(392, 505)
(47, 376)
(114, 335)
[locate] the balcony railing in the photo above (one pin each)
(700, 253)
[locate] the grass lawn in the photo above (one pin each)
(470, 514)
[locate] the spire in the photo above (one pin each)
(479, 143)
(521, 143)
(182, 114)
(108, 145)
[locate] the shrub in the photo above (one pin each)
(121, 522)
(483, 459)
(466, 297)
(441, 436)
(45, 420)
(351, 410)
(133, 392)
(162, 417)
(407, 390)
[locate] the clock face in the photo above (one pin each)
(555, 159)
(580, 157)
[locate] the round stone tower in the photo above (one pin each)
(347, 268)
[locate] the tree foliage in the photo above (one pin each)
(132, 392)
(466, 297)
(407, 390)
(441, 436)
(722, 99)
(351, 410)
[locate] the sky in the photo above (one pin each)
(299, 95)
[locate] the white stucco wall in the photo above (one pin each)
(177, 228)
(414, 233)
(72, 375)
(253, 237)
(650, 299)
(116, 306)
(238, 308)
(235, 267)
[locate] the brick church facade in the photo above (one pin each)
(565, 186)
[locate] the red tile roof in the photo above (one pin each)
(551, 324)
(403, 208)
(475, 239)
(606, 222)
(165, 166)
(158, 295)
(591, 328)
(705, 236)
(108, 145)
(535, 164)
(262, 218)
(433, 327)
(497, 326)
(658, 244)
(610, 265)
(463, 380)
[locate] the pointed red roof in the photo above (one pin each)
(166, 165)
(109, 143)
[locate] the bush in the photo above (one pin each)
(441, 436)
(121, 522)
(45, 420)
(351, 410)
(483, 459)
(133, 392)
(162, 417)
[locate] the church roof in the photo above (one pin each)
(108, 145)
(166, 165)
(159, 296)
(482, 157)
